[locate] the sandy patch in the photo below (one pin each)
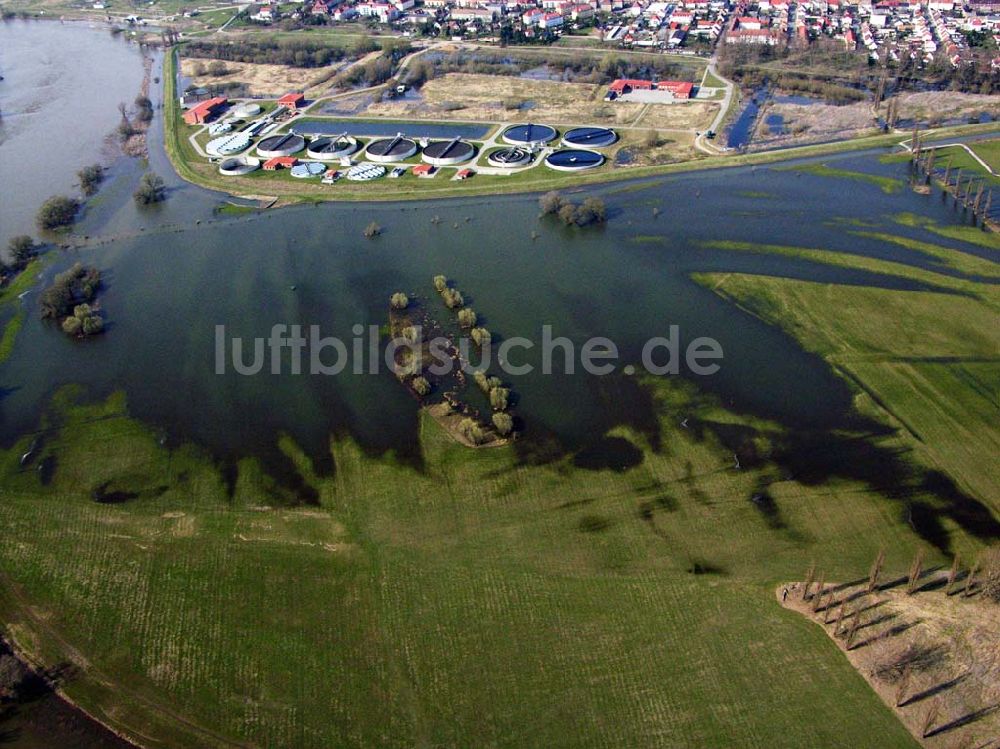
(694, 115)
(260, 79)
(491, 98)
(933, 658)
(938, 106)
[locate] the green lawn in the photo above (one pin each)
(477, 602)
(712, 81)
(928, 358)
(988, 151)
(483, 601)
(24, 281)
(886, 184)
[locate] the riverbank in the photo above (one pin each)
(35, 713)
(193, 168)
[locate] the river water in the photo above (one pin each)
(176, 272)
(59, 101)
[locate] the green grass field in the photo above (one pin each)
(988, 151)
(482, 601)
(479, 602)
(9, 300)
(886, 184)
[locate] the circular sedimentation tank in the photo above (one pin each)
(280, 145)
(528, 134)
(332, 148)
(573, 160)
(308, 169)
(218, 128)
(233, 167)
(509, 158)
(589, 137)
(391, 149)
(247, 109)
(365, 172)
(445, 152)
(225, 145)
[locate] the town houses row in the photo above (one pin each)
(891, 28)
(881, 29)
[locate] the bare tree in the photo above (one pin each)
(991, 573)
(903, 685)
(810, 576)
(956, 562)
(852, 631)
(913, 578)
(876, 570)
(930, 718)
(818, 596)
(970, 581)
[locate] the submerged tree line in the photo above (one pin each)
(409, 369)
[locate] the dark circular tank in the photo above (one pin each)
(281, 145)
(444, 152)
(391, 149)
(573, 159)
(589, 137)
(529, 134)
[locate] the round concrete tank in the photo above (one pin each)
(391, 149)
(589, 137)
(573, 160)
(332, 148)
(446, 152)
(529, 135)
(509, 158)
(280, 145)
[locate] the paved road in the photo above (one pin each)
(701, 142)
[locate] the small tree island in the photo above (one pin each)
(590, 211)
(57, 212)
(69, 301)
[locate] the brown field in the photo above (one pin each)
(937, 106)
(483, 97)
(672, 147)
(810, 122)
(260, 79)
(692, 116)
(932, 657)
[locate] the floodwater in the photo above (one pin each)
(58, 100)
(176, 272)
(741, 129)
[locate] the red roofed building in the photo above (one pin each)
(624, 85)
(423, 170)
(292, 101)
(201, 111)
(680, 89)
(278, 162)
(464, 173)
